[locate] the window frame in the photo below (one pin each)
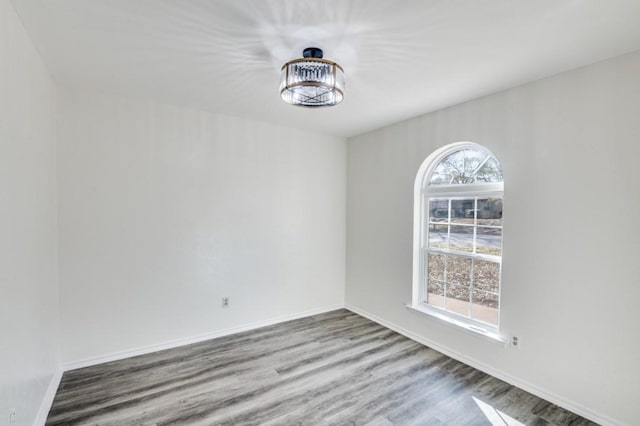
(423, 192)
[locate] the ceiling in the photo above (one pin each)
(401, 58)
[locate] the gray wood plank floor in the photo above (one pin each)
(336, 368)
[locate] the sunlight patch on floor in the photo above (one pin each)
(496, 417)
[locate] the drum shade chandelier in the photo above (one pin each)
(312, 81)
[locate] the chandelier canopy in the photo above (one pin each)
(312, 81)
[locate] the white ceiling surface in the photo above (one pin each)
(401, 58)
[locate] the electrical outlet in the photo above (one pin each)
(225, 302)
(516, 342)
(12, 418)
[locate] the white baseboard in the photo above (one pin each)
(47, 401)
(115, 356)
(533, 389)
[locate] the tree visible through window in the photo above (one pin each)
(459, 197)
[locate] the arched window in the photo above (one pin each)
(458, 236)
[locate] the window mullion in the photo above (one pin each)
(475, 223)
(475, 229)
(446, 259)
(471, 286)
(462, 190)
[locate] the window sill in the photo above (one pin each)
(469, 328)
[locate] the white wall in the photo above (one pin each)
(164, 210)
(570, 148)
(28, 241)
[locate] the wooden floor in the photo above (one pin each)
(336, 368)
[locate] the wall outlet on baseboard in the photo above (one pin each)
(12, 417)
(516, 342)
(225, 302)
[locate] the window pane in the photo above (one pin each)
(439, 210)
(466, 166)
(485, 307)
(460, 210)
(490, 211)
(455, 168)
(461, 238)
(459, 270)
(486, 275)
(438, 227)
(439, 236)
(489, 231)
(489, 172)
(457, 299)
(449, 169)
(496, 222)
(462, 225)
(435, 294)
(435, 263)
(489, 240)
(473, 161)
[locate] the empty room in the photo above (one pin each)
(319, 212)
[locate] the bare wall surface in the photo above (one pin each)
(28, 241)
(166, 210)
(570, 150)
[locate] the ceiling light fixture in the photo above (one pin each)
(312, 81)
